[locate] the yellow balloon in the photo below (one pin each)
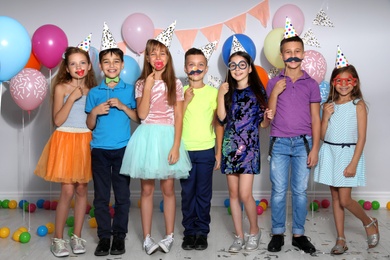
(272, 47)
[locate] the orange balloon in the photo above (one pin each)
(263, 75)
(33, 62)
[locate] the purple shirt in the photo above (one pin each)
(292, 116)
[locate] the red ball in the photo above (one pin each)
(46, 204)
(88, 209)
(112, 212)
(318, 202)
(265, 201)
(31, 208)
(260, 210)
(325, 203)
(367, 205)
(53, 205)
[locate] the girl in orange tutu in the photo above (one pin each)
(66, 157)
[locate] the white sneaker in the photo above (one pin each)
(252, 241)
(58, 247)
(77, 244)
(238, 244)
(149, 245)
(166, 243)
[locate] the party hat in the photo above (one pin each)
(84, 45)
(236, 46)
(165, 37)
(208, 49)
(341, 60)
(289, 30)
(108, 41)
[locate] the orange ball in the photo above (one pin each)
(139, 203)
(92, 222)
(12, 204)
(16, 235)
(263, 205)
(72, 204)
(4, 232)
(50, 227)
(388, 205)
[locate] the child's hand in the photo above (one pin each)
(173, 156)
(280, 86)
(350, 171)
(327, 111)
(189, 94)
(115, 102)
(149, 82)
(223, 89)
(102, 109)
(76, 94)
(269, 114)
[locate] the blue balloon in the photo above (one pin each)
(131, 70)
(245, 41)
(324, 90)
(15, 47)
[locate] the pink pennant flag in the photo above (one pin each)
(237, 24)
(186, 37)
(261, 12)
(212, 33)
(157, 32)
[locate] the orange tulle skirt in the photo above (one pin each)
(66, 157)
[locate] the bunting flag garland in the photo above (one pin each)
(322, 19)
(310, 39)
(214, 81)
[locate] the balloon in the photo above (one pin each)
(315, 65)
(33, 62)
(15, 47)
(94, 57)
(291, 11)
(49, 42)
(272, 47)
(131, 70)
(137, 29)
(245, 41)
(263, 75)
(324, 90)
(28, 89)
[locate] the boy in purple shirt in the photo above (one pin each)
(295, 138)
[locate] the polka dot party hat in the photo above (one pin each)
(208, 49)
(165, 37)
(84, 45)
(236, 46)
(289, 30)
(108, 41)
(341, 60)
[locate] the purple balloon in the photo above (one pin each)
(137, 29)
(49, 42)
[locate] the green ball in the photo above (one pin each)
(92, 212)
(70, 221)
(70, 231)
(361, 202)
(24, 237)
(229, 210)
(5, 203)
(375, 205)
(314, 206)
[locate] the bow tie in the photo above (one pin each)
(109, 80)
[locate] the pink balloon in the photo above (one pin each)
(137, 29)
(315, 65)
(28, 88)
(291, 11)
(49, 42)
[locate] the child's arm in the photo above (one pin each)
(143, 102)
(61, 110)
(361, 113)
(115, 102)
(280, 86)
(101, 109)
(188, 96)
(174, 154)
(221, 111)
(268, 116)
(312, 158)
(327, 111)
(219, 129)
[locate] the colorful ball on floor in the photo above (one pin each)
(259, 209)
(23, 229)
(92, 212)
(257, 202)
(42, 231)
(53, 205)
(46, 205)
(112, 212)
(265, 201)
(70, 221)
(4, 232)
(361, 202)
(226, 203)
(5, 204)
(21, 203)
(92, 223)
(16, 235)
(229, 210)
(313, 206)
(318, 202)
(24, 237)
(375, 205)
(367, 205)
(263, 205)
(325, 203)
(139, 203)
(40, 203)
(50, 227)
(162, 206)
(31, 208)
(87, 209)
(70, 231)
(388, 205)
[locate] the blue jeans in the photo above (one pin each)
(289, 161)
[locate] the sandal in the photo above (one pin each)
(373, 240)
(339, 249)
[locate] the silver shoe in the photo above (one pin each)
(77, 244)
(166, 243)
(252, 241)
(237, 245)
(339, 249)
(149, 245)
(373, 240)
(58, 247)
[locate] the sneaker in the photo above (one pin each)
(188, 243)
(149, 245)
(252, 241)
(276, 243)
(103, 247)
(118, 246)
(77, 244)
(201, 243)
(166, 243)
(237, 245)
(58, 247)
(303, 244)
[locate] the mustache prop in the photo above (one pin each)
(293, 59)
(192, 72)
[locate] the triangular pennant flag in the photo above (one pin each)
(310, 39)
(212, 33)
(165, 37)
(237, 24)
(84, 45)
(236, 46)
(261, 12)
(322, 19)
(108, 41)
(214, 81)
(341, 60)
(186, 38)
(208, 49)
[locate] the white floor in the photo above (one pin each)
(319, 227)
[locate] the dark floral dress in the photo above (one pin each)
(241, 143)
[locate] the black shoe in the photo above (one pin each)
(118, 246)
(188, 243)
(276, 243)
(201, 243)
(304, 244)
(103, 247)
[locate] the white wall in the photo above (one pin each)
(360, 28)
